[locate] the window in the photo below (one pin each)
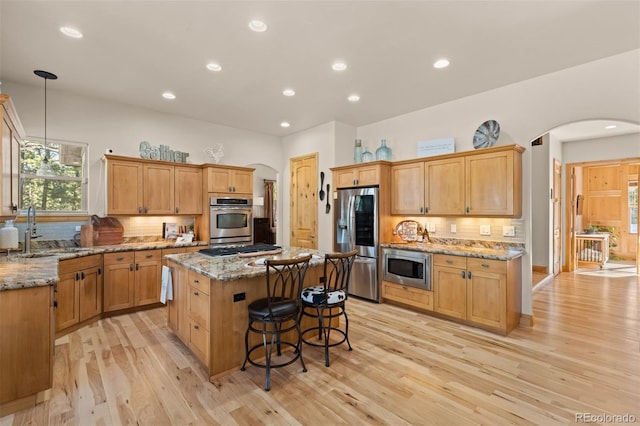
(633, 207)
(53, 176)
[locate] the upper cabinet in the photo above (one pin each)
(366, 174)
(12, 134)
(229, 180)
(486, 183)
(152, 187)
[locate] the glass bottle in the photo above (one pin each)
(357, 152)
(9, 236)
(384, 152)
(367, 155)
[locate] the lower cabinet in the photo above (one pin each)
(132, 279)
(482, 292)
(416, 297)
(26, 346)
(178, 318)
(79, 290)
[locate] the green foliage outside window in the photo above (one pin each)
(52, 177)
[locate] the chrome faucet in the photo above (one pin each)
(31, 230)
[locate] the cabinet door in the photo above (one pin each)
(67, 296)
(486, 293)
(178, 307)
(407, 189)
(444, 187)
(148, 277)
(367, 175)
(242, 181)
(188, 190)
(490, 184)
(124, 187)
(90, 293)
(344, 178)
(218, 180)
(9, 166)
(158, 189)
(119, 281)
(450, 291)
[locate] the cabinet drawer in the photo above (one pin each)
(495, 266)
(199, 306)
(449, 260)
(119, 257)
(78, 264)
(148, 255)
(199, 341)
(408, 295)
(199, 281)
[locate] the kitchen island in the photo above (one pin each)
(211, 295)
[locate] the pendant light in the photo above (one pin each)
(45, 167)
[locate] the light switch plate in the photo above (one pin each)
(432, 228)
(485, 229)
(508, 231)
(453, 228)
(78, 228)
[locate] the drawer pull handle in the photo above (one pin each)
(196, 326)
(195, 293)
(449, 261)
(149, 256)
(196, 281)
(462, 274)
(120, 258)
(469, 274)
(484, 265)
(131, 267)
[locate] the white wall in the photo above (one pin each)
(611, 148)
(540, 185)
(608, 88)
(121, 127)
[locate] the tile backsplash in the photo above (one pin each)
(468, 228)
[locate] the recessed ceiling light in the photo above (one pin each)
(71, 32)
(339, 66)
(611, 126)
(288, 92)
(353, 98)
(168, 95)
(212, 66)
(285, 124)
(258, 26)
(441, 63)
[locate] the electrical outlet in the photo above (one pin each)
(508, 231)
(432, 228)
(453, 228)
(485, 229)
(78, 228)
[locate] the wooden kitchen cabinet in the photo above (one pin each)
(483, 292)
(474, 184)
(26, 347)
(132, 279)
(366, 174)
(230, 181)
(12, 133)
(79, 291)
(137, 186)
(416, 297)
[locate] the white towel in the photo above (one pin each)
(166, 292)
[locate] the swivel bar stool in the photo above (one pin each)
(326, 302)
(276, 314)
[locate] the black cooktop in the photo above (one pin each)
(229, 251)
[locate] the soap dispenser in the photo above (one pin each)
(8, 236)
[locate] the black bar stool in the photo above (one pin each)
(326, 302)
(277, 313)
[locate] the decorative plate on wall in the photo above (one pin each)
(486, 135)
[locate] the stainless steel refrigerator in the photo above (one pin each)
(356, 227)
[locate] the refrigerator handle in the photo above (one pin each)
(352, 222)
(359, 259)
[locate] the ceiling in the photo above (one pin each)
(134, 51)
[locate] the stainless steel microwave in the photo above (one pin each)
(411, 268)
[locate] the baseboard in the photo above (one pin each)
(538, 268)
(526, 320)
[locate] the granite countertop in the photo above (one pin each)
(40, 267)
(229, 268)
(500, 253)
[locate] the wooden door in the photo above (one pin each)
(119, 279)
(304, 201)
(124, 187)
(407, 188)
(159, 189)
(489, 188)
(188, 190)
(148, 277)
(67, 296)
(90, 292)
(444, 187)
(557, 216)
(450, 291)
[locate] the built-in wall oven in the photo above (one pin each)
(411, 268)
(230, 220)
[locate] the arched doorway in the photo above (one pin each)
(266, 208)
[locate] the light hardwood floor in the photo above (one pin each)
(582, 356)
